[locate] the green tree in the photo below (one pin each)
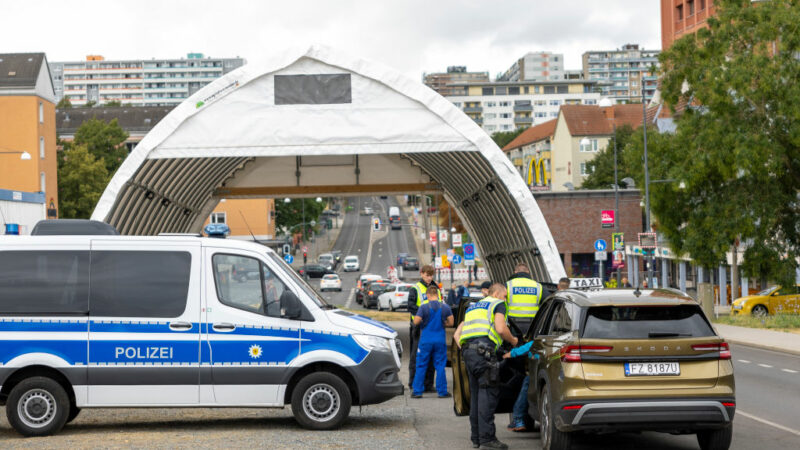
(503, 138)
(104, 141)
(90, 103)
(287, 215)
(113, 103)
(737, 145)
(64, 103)
(81, 181)
(603, 175)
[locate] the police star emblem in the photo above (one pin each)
(255, 351)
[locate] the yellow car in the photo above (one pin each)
(773, 300)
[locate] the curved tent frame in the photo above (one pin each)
(242, 123)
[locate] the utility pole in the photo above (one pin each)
(647, 191)
(616, 205)
(450, 228)
(438, 233)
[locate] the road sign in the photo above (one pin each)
(456, 239)
(607, 218)
(600, 256)
(456, 259)
(469, 252)
(432, 237)
(600, 245)
(443, 235)
(305, 249)
(288, 258)
(445, 262)
(617, 241)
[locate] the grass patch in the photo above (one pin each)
(382, 316)
(777, 322)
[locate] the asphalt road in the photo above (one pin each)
(354, 239)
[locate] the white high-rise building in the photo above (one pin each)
(622, 74)
(506, 106)
(153, 82)
(536, 66)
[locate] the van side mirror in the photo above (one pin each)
(290, 305)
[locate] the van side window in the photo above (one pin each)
(139, 283)
(247, 284)
(44, 282)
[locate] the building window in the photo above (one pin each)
(506, 127)
(41, 112)
(549, 89)
(491, 104)
(555, 102)
(490, 116)
(505, 115)
(702, 5)
(590, 147)
(586, 169)
(526, 89)
(590, 102)
(488, 91)
(540, 102)
(541, 114)
(501, 90)
(505, 103)
(554, 114)
(514, 90)
(41, 147)
(679, 12)
(218, 217)
(42, 182)
(690, 3)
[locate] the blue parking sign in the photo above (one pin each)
(469, 252)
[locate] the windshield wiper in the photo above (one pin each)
(665, 334)
(329, 306)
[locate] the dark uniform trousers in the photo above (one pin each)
(484, 394)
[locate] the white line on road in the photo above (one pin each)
(350, 298)
(744, 361)
(766, 366)
(789, 370)
(767, 422)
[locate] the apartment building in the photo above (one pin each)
(507, 105)
(680, 17)
(442, 82)
(536, 66)
(623, 73)
(28, 167)
(154, 82)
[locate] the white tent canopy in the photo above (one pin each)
(318, 122)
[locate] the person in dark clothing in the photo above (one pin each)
(416, 298)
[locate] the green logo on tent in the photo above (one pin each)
(199, 104)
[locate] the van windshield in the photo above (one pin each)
(300, 281)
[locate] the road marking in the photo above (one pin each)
(350, 298)
(766, 366)
(744, 361)
(767, 422)
(789, 370)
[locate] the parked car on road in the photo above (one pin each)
(314, 270)
(330, 282)
(372, 291)
(395, 297)
(351, 263)
(621, 360)
(411, 263)
(774, 300)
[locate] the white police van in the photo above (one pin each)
(92, 321)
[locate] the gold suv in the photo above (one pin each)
(624, 360)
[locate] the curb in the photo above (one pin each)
(762, 346)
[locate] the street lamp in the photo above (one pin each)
(23, 155)
(646, 187)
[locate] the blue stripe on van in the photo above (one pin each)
(70, 351)
(345, 345)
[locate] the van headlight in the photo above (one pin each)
(369, 343)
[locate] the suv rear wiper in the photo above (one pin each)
(664, 334)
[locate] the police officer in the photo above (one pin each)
(524, 295)
(416, 298)
(479, 336)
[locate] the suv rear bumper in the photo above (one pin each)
(676, 415)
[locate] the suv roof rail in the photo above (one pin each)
(73, 227)
(181, 234)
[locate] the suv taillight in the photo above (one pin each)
(572, 353)
(721, 347)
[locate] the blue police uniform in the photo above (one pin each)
(432, 344)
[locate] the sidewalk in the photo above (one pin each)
(778, 341)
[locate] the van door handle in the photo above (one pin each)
(224, 326)
(180, 326)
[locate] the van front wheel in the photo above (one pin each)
(321, 401)
(37, 406)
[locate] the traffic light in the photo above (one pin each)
(305, 257)
(376, 224)
(286, 249)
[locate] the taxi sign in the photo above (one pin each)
(585, 283)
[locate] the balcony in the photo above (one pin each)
(523, 108)
(523, 120)
(473, 109)
(478, 120)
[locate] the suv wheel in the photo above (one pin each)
(37, 406)
(715, 439)
(552, 438)
(321, 401)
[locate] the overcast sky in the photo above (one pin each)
(412, 36)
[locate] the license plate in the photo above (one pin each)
(652, 368)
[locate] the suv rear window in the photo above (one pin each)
(645, 322)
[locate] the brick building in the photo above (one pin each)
(574, 220)
(680, 17)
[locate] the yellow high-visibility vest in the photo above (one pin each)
(479, 321)
(421, 290)
(524, 295)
